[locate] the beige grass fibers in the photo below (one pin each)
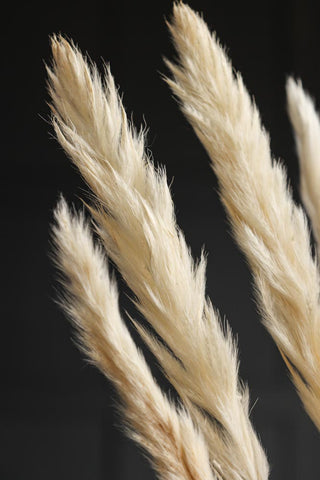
(306, 124)
(270, 228)
(135, 218)
(176, 449)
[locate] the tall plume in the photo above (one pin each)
(306, 126)
(135, 219)
(271, 230)
(177, 451)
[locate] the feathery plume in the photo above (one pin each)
(271, 230)
(177, 451)
(135, 219)
(306, 125)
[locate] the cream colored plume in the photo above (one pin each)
(270, 228)
(306, 125)
(176, 449)
(135, 219)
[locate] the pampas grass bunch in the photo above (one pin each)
(208, 435)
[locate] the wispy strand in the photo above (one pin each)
(270, 228)
(135, 218)
(175, 448)
(306, 124)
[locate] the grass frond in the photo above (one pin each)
(135, 219)
(271, 230)
(306, 125)
(176, 449)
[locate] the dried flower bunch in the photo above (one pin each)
(209, 435)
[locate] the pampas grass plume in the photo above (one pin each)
(306, 126)
(269, 227)
(176, 449)
(134, 217)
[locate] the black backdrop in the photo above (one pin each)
(58, 416)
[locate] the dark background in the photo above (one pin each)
(58, 418)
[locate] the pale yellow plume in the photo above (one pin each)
(135, 219)
(176, 450)
(306, 125)
(270, 228)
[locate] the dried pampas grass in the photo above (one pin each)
(270, 228)
(176, 449)
(306, 125)
(208, 436)
(134, 217)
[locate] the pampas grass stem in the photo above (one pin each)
(306, 125)
(271, 230)
(135, 219)
(175, 448)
